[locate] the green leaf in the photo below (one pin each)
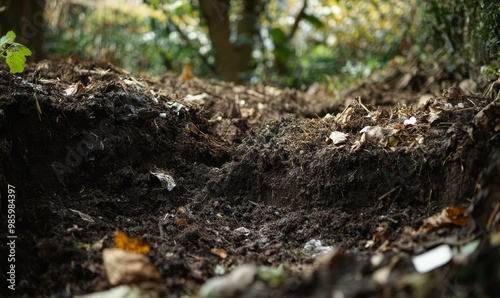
(13, 52)
(317, 23)
(21, 49)
(16, 57)
(282, 52)
(7, 38)
(278, 36)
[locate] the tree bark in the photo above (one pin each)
(233, 60)
(26, 19)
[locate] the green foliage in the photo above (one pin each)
(465, 31)
(140, 39)
(282, 48)
(344, 39)
(316, 22)
(490, 70)
(335, 38)
(14, 53)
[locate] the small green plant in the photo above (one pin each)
(13, 52)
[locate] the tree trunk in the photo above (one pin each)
(26, 19)
(233, 60)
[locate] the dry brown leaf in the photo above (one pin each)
(182, 222)
(74, 89)
(488, 115)
(124, 267)
(343, 118)
(449, 216)
(379, 135)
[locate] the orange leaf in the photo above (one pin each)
(130, 244)
(448, 216)
(456, 215)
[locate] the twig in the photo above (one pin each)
(298, 18)
(38, 109)
(188, 42)
(359, 101)
(387, 193)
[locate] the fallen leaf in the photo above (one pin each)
(449, 216)
(74, 89)
(182, 222)
(379, 135)
(436, 110)
(135, 245)
(488, 115)
(123, 267)
(166, 180)
(343, 118)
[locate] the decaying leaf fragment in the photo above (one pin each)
(182, 222)
(166, 180)
(338, 137)
(380, 136)
(449, 216)
(436, 111)
(124, 267)
(489, 116)
(74, 89)
(343, 118)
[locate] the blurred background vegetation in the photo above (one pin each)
(285, 42)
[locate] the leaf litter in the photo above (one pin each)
(257, 178)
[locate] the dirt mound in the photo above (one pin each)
(214, 175)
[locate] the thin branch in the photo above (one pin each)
(188, 42)
(298, 18)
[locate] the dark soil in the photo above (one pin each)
(258, 158)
